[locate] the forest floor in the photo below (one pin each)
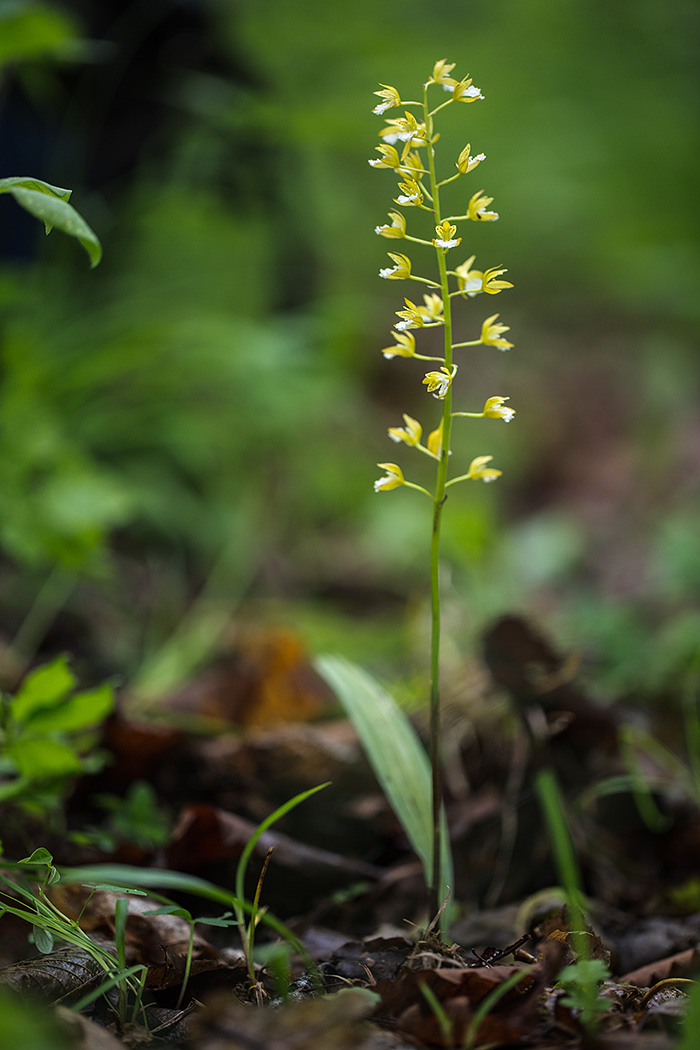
(184, 793)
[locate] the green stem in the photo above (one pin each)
(438, 504)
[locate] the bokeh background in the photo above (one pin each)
(189, 433)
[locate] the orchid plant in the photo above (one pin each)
(407, 149)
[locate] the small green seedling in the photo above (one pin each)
(227, 919)
(583, 978)
(582, 981)
(25, 897)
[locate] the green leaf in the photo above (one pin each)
(170, 909)
(42, 758)
(47, 686)
(43, 939)
(76, 712)
(227, 919)
(112, 888)
(40, 856)
(396, 755)
(28, 183)
(55, 211)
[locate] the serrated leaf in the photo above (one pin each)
(56, 212)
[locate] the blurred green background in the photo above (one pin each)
(188, 434)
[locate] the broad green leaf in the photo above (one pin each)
(75, 712)
(40, 856)
(43, 939)
(26, 182)
(395, 753)
(43, 688)
(42, 758)
(53, 211)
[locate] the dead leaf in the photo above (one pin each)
(66, 975)
(337, 1020)
(264, 678)
(682, 964)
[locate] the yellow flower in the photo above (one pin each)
(432, 311)
(471, 282)
(465, 91)
(401, 271)
(446, 236)
(440, 73)
(438, 383)
(491, 332)
(397, 228)
(405, 346)
(495, 408)
(477, 208)
(434, 442)
(478, 471)
(466, 163)
(410, 434)
(407, 130)
(490, 284)
(412, 194)
(389, 158)
(411, 317)
(394, 477)
(391, 98)
(412, 166)
(416, 316)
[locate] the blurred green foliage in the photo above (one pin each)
(203, 414)
(47, 735)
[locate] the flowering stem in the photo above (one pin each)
(438, 504)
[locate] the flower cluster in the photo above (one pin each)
(407, 148)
